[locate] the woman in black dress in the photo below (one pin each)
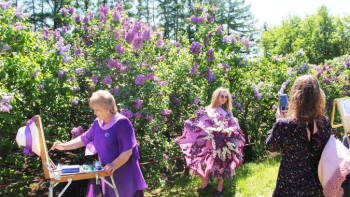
(300, 135)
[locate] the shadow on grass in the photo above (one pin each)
(186, 185)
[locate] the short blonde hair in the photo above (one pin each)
(104, 99)
(307, 99)
(227, 106)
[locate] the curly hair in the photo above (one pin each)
(307, 100)
(227, 106)
(104, 99)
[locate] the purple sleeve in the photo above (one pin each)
(88, 135)
(126, 135)
(273, 141)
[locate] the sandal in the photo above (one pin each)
(203, 189)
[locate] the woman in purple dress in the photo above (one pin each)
(112, 137)
(212, 141)
(301, 138)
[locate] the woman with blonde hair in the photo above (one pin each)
(212, 141)
(112, 137)
(300, 135)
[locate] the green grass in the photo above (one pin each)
(251, 179)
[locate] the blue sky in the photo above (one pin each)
(274, 11)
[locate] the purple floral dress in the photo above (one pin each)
(300, 157)
(212, 142)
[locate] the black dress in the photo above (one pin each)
(300, 157)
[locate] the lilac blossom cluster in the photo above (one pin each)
(127, 113)
(76, 132)
(256, 88)
(4, 104)
(4, 5)
(284, 86)
(166, 112)
(63, 49)
(195, 47)
(138, 103)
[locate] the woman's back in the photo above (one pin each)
(300, 156)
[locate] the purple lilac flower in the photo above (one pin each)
(201, 19)
(156, 127)
(207, 38)
(94, 78)
(119, 49)
(159, 59)
(6, 99)
(210, 19)
(41, 87)
(116, 14)
(76, 132)
(149, 117)
(104, 9)
(19, 12)
(193, 70)
(127, 113)
(119, 5)
(160, 94)
(107, 80)
(239, 106)
(137, 42)
(35, 73)
(74, 102)
(71, 10)
(77, 18)
(283, 86)
(195, 47)
(210, 55)
(219, 30)
(150, 76)
(5, 5)
(115, 91)
(166, 112)
(137, 27)
(193, 19)
(138, 103)
(140, 79)
(46, 34)
(116, 33)
(126, 23)
(166, 157)
(103, 18)
(176, 100)
(130, 37)
(159, 43)
(19, 26)
(56, 34)
(5, 47)
(146, 35)
(257, 94)
(66, 59)
(77, 50)
(137, 115)
(86, 19)
(162, 83)
(195, 101)
(347, 63)
(5, 107)
(210, 76)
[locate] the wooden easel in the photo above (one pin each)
(344, 111)
(57, 177)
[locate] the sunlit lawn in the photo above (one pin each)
(251, 179)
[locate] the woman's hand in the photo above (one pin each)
(280, 114)
(58, 146)
(109, 168)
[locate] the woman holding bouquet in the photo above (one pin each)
(212, 141)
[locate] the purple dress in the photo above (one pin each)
(109, 141)
(212, 142)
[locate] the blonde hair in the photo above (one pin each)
(307, 100)
(103, 99)
(227, 106)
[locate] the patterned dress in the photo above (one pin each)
(300, 157)
(212, 143)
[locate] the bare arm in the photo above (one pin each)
(70, 145)
(119, 161)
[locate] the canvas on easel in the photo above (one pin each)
(33, 133)
(343, 106)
